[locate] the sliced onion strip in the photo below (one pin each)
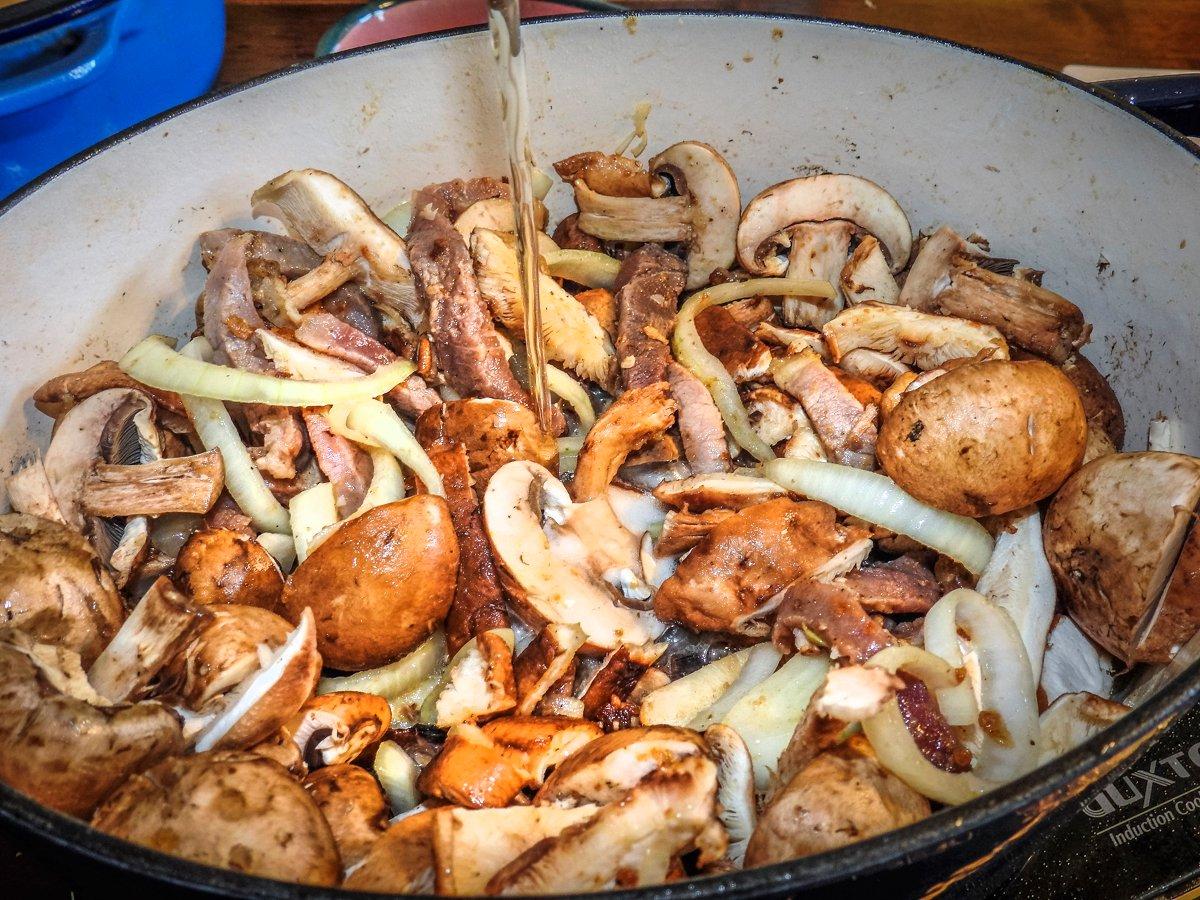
(587, 267)
(312, 512)
(877, 499)
(380, 422)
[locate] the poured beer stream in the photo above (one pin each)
(504, 20)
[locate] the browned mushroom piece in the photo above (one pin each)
(604, 173)
(844, 795)
(569, 236)
(494, 432)
(751, 312)
(353, 804)
(633, 419)
(472, 771)
(546, 660)
(700, 424)
(63, 744)
(401, 861)
(219, 565)
(235, 810)
(951, 278)
(698, 493)
(1100, 403)
(744, 356)
(867, 275)
(602, 304)
(54, 588)
(682, 529)
(337, 728)
(279, 747)
(647, 289)
(352, 578)
(729, 579)
(909, 336)
(539, 744)
(606, 697)
(816, 250)
(62, 393)
(847, 428)
(780, 422)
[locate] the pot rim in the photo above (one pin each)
(1036, 793)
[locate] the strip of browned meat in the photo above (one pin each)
(451, 198)
(282, 436)
(847, 429)
(901, 585)
(327, 334)
(700, 423)
(478, 604)
(648, 286)
(346, 466)
(468, 348)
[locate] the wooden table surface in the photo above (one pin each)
(264, 35)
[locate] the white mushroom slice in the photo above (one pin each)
(701, 176)
(818, 250)
(660, 219)
(573, 336)
(729, 490)
(735, 788)
(1072, 719)
(590, 537)
(1018, 580)
(472, 845)
(638, 513)
(29, 492)
(496, 214)
(878, 368)
(776, 417)
(866, 275)
(908, 336)
(478, 682)
(820, 198)
(792, 339)
(332, 219)
(1072, 663)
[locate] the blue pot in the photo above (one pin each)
(73, 72)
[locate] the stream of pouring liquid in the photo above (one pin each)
(504, 20)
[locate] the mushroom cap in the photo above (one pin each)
(543, 588)
(401, 861)
(842, 796)
(53, 586)
(986, 438)
(234, 810)
(494, 432)
(821, 198)
(353, 804)
(337, 728)
(220, 565)
(701, 174)
(1119, 540)
(61, 747)
(380, 584)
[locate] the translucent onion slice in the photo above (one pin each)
(282, 548)
(387, 481)
(397, 774)
(154, 363)
(404, 684)
(568, 452)
(1005, 687)
(954, 691)
(680, 701)
(216, 430)
(690, 350)
(570, 390)
(587, 267)
(877, 499)
(312, 512)
(380, 422)
(399, 217)
(762, 662)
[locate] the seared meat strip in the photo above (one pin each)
(451, 198)
(929, 728)
(700, 423)
(346, 466)
(846, 428)
(282, 436)
(648, 286)
(901, 585)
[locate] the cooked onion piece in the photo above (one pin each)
(311, 512)
(586, 267)
(379, 422)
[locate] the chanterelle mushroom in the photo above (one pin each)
(61, 742)
(632, 420)
(819, 198)
(520, 501)
(947, 278)
(235, 810)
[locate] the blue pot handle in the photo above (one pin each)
(61, 75)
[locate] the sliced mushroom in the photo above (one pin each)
(841, 797)
(62, 393)
(279, 747)
(792, 339)
(61, 742)
(336, 728)
(157, 628)
(539, 744)
(235, 810)
(820, 198)
(1119, 539)
(572, 335)
(219, 565)
(1072, 663)
(846, 428)
(189, 484)
(724, 490)
(472, 771)
(479, 682)
(53, 587)
(778, 419)
(867, 276)
(543, 663)
(682, 530)
(495, 214)
(878, 368)
(947, 278)
(339, 225)
(606, 696)
(817, 250)
(633, 419)
(911, 337)
(401, 861)
(610, 174)
(744, 356)
(602, 304)
(1072, 719)
(544, 589)
(738, 805)
(352, 803)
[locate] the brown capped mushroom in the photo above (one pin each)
(353, 579)
(543, 663)
(401, 861)
(986, 438)
(235, 810)
(219, 565)
(53, 587)
(336, 728)
(61, 742)
(1119, 539)
(472, 771)
(682, 530)
(352, 803)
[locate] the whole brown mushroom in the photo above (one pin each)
(986, 438)
(219, 565)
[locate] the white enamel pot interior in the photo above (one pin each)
(103, 250)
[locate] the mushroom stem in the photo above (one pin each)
(335, 270)
(188, 484)
(659, 219)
